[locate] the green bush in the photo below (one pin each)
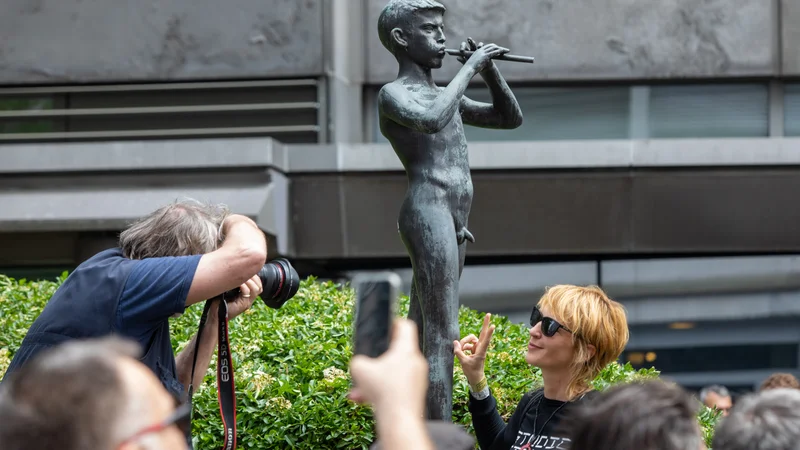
(291, 367)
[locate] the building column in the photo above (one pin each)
(344, 69)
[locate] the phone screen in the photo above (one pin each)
(374, 314)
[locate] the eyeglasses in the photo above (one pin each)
(549, 325)
(181, 418)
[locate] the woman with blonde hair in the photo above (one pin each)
(575, 332)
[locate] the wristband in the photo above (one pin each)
(481, 385)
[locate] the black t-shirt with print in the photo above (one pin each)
(520, 434)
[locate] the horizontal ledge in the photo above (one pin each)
(562, 154)
(101, 209)
(188, 132)
(232, 147)
(157, 86)
(36, 113)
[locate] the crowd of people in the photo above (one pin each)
(96, 370)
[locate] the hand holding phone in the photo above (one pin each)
(375, 309)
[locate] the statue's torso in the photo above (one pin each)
(437, 165)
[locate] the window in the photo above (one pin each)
(14, 116)
(715, 359)
(709, 110)
(555, 114)
(792, 110)
(288, 110)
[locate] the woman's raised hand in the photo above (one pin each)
(471, 351)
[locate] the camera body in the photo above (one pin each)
(279, 280)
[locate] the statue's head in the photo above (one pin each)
(414, 29)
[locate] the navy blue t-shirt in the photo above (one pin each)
(155, 290)
(111, 294)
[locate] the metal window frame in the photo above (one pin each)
(319, 128)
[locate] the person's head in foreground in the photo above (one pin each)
(641, 416)
(768, 420)
(575, 332)
(717, 396)
(90, 394)
(778, 381)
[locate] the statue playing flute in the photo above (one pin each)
(425, 125)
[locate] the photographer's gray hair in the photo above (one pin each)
(186, 227)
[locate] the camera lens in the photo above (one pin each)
(280, 282)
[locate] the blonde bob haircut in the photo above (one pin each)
(594, 319)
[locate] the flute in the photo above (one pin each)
(514, 58)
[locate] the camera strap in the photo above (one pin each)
(226, 389)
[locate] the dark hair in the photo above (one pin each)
(396, 13)
(780, 380)
(769, 420)
(67, 397)
(651, 415)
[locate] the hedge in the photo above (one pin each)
(291, 367)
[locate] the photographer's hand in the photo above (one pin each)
(205, 349)
(251, 289)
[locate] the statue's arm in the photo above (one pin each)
(504, 111)
(398, 104)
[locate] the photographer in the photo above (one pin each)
(179, 255)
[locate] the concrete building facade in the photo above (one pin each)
(658, 158)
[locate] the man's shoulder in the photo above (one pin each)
(105, 260)
(110, 253)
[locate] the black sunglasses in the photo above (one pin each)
(549, 325)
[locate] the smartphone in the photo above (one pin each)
(375, 309)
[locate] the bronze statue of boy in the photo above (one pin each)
(424, 124)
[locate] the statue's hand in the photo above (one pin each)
(471, 351)
(482, 54)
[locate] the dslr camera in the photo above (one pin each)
(280, 282)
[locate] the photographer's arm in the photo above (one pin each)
(208, 343)
(241, 255)
(209, 339)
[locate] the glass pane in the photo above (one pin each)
(715, 359)
(792, 110)
(26, 125)
(556, 114)
(721, 110)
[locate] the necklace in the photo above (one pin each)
(536, 416)
(536, 419)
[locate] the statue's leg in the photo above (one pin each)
(414, 308)
(431, 242)
(415, 313)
